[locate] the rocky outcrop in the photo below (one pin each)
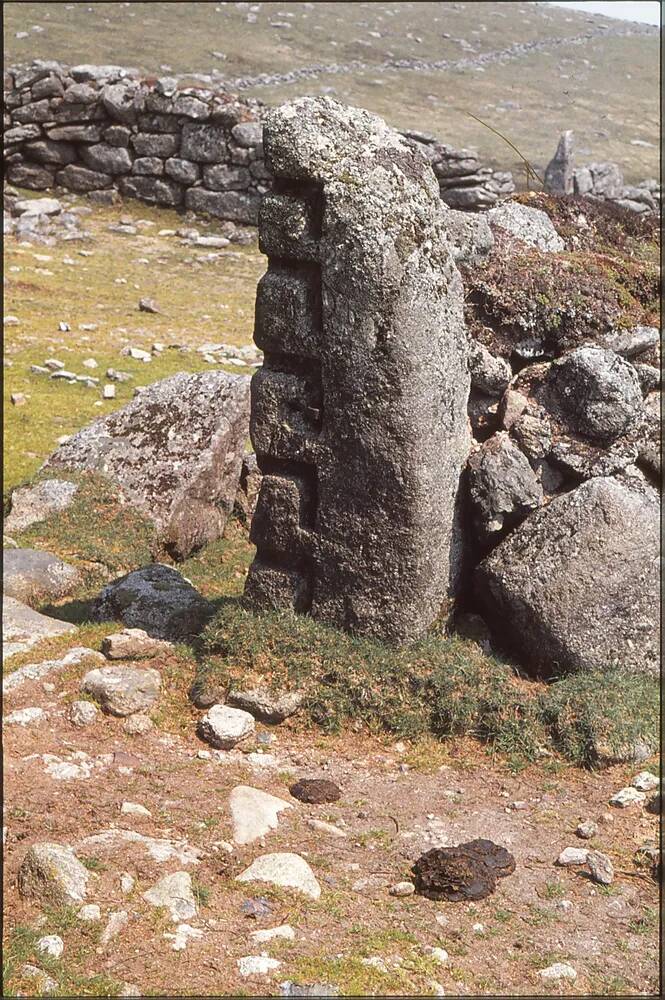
(598, 180)
(175, 451)
(575, 586)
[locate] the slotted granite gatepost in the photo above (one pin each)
(359, 411)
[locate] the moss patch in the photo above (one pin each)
(607, 279)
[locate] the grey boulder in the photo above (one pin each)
(175, 451)
(156, 599)
(266, 705)
(575, 587)
(52, 874)
(31, 575)
(530, 225)
(595, 393)
(123, 690)
(503, 487)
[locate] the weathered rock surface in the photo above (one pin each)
(31, 504)
(559, 171)
(156, 599)
(175, 451)
(578, 581)
(596, 393)
(133, 644)
(224, 726)
(52, 874)
(530, 225)
(123, 690)
(33, 576)
(82, 713)
(344, 398)
(254, 813)
(266, 705)
(174, 892)
(22, 627)
(287, 870)
(503, 487)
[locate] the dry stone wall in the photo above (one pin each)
(100, 128)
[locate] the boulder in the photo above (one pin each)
(575, 586)
(595, 394)
(223, 726)
(52, 874)
(31, 504)
(489, 374)
(123, 690)
(133, 644)
(174, 893)
(530, 225)
(286, 870)
(156, 599)
(33, 576)
(22, 627)
(266, 705)
(502, 486)
(175, 451)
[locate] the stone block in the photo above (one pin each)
(204, 143)
(359, 413)
(158, 190)
(145, 144)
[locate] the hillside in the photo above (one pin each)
(527, 69)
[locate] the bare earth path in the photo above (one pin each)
(397, 801)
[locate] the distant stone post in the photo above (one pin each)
(559, 171)
(359, 411)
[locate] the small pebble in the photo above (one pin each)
(51, 945)
(402, 889)
(600, 867)
(645, 781)
(587, 829)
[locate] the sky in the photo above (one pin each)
(646, 11)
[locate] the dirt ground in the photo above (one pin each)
(397, 801)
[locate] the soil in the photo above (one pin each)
(390, 811)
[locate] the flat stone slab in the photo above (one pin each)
(254, 813)
(32, 504)
(37, 671)
(123, 690)
(287, 870)
(31, 575)
(22, 627)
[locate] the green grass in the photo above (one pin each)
(19, 948)
(585, 712)
(202, 301)
(441, 687)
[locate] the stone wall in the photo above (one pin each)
(100, 128)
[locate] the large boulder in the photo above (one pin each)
(595, 393)
(175, 451)
(33, 576)
(156, 599)
(575, 586)
(52, 874)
